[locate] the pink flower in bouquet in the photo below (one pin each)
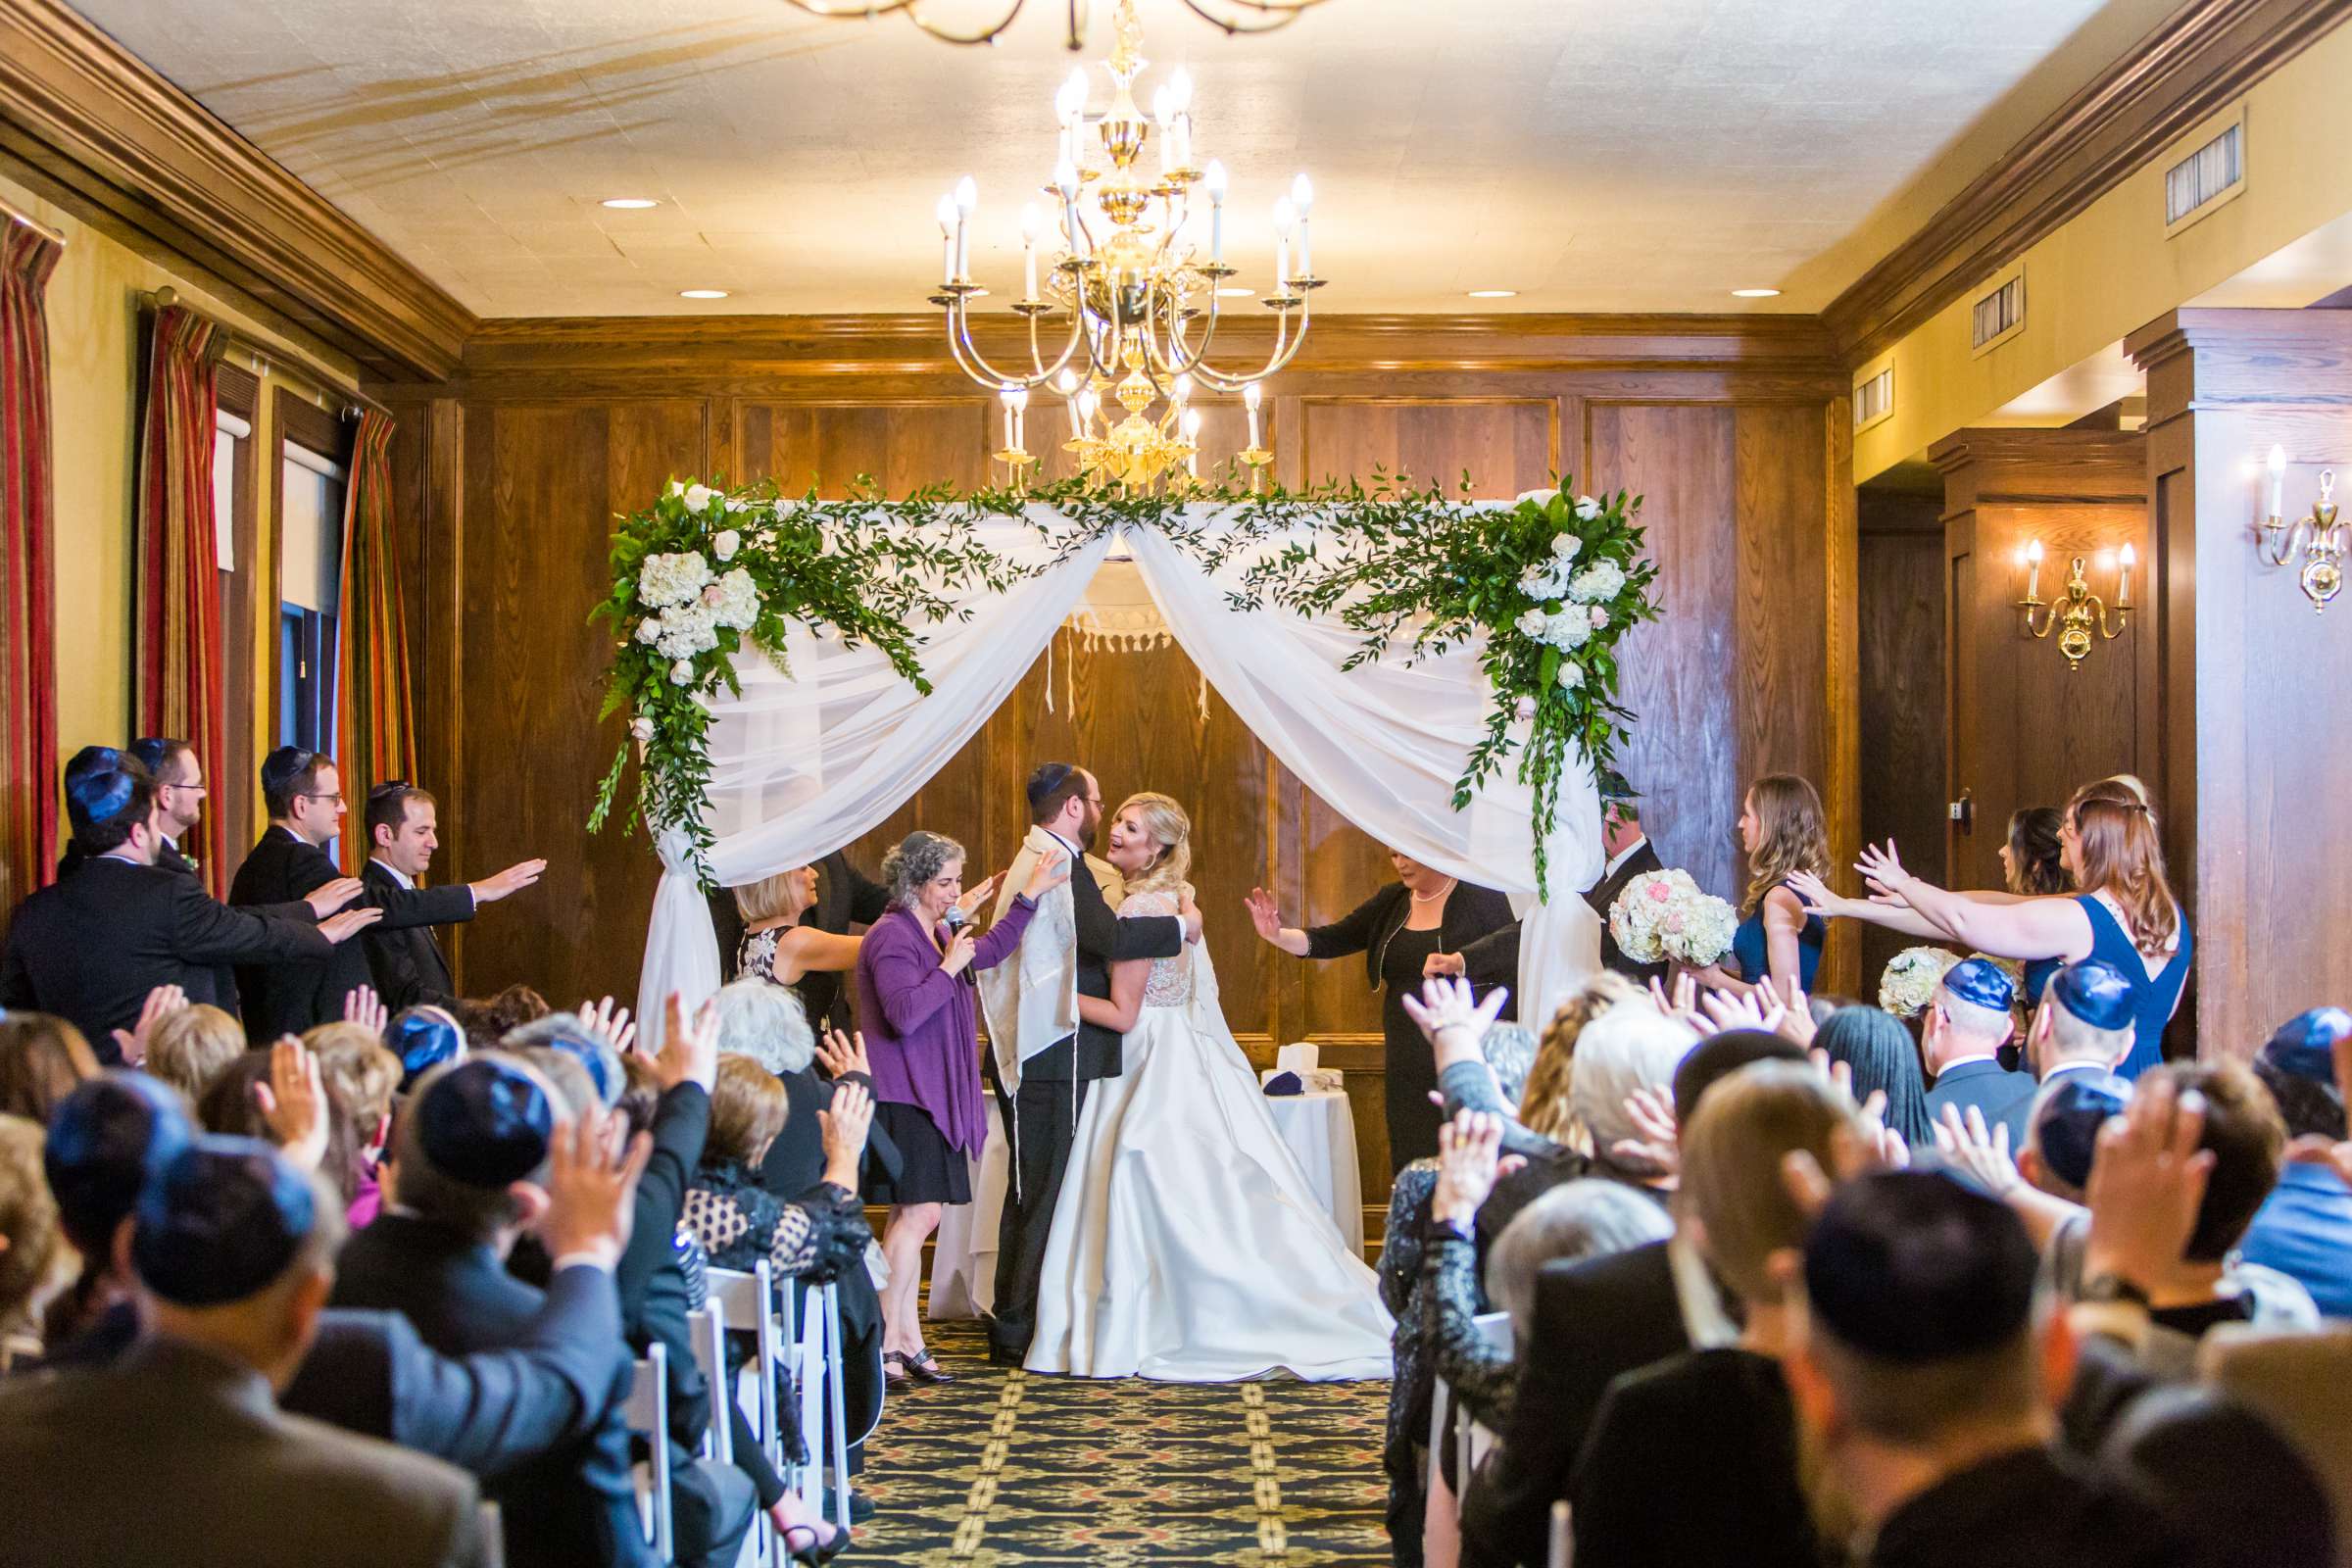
(1659, 890)
(1674, 922)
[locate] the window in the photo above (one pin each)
(310, 585)
(1997, 317)
(1874, 398)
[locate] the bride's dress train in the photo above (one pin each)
(1189, 1247)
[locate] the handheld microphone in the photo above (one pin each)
(955, 918)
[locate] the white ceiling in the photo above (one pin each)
(1594, 155)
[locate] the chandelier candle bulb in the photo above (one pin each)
(2122, 590)
(1302, 197)
(1033, 223)
(967, 202)
(2033, 570)
(1284, 215)
(947, 235)
(2277, 481)
(1069, 108)
(1215, 180)
(1251, 395)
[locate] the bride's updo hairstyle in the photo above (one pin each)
(1172, 831)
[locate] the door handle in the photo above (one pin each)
(1964, 811)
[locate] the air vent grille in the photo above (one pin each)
(1998, 313)
(1874, 399)
(2204, 175)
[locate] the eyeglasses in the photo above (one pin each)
(321, 795)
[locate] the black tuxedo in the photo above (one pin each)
(288, 997)
(1595, 1320)
(90, 947)
(408, 963)
(1043, 1116)
(574, 1506)
(1603, 893)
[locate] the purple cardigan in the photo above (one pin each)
(919, 1021)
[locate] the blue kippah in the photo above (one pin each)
(424, 1038)
(2066, 1122)
(95, 797)
(222, 1222)
(107, 1142)
(90, 759)
(2098, 992)
(484, 1123)
(604, 1067)
(1913, 1267)
(1045, 780)
(2305, 1045)
(1982, 983)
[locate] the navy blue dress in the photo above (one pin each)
(2158, 993)
(2036, 979)
(1753, 956)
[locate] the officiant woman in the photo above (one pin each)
(1398, 929)
(915, 974)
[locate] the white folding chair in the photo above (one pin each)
(648, 1414)
(748, 1301)
(824, 1422)
(494, 1534)
(1494, 1328)
(836, 1416)
(706, 1332)
(1563, 1538)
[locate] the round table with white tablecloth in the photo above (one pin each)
(1320, 1130)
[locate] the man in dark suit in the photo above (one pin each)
(90, 947)
(1629, 855)
(1960, 1037)
(402, 835)
(303, 792)
(1042, 1114)
(236, 1255)
(471, 1160)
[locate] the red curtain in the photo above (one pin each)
(28, 790)
(376, 723)
(179, 659)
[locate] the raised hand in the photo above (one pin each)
(974, 898)
(161, 1003)
(1966, 1142)
(2147, 1183)
(1684, 1003)
(328, 897)
(1659, 1148)
(363, 1006)
(514, 879)
(293, 1103)
(961, 948)
(592, 1171)
(2315, 1149)
(842, 1056)
(689, 1051)
(1884, 871)
(1469, 1149)
(1445, 1008)
(341, 928)
(1796, 1024)
(843, 1125)
(1052, 870)
(609, 1023)
(1264, 917)
(1814, 893)
(1726, 1011)
(1443, 963)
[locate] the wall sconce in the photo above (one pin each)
(2074, 615)
(2318, 537)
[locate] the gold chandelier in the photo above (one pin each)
(1139, 293)
(1228, 16)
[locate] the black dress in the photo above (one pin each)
(1412, 1063)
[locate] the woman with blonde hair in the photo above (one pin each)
(776, 947)
(2125, 912)
(1187, 1245)
(1777, 945)
(194, 1046)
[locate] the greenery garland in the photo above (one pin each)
(1551, 584)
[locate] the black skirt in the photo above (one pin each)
(931, 1170)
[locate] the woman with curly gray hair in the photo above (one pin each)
(916, 975)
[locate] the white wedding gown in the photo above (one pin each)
(1187, 1245)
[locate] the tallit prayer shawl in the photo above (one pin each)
(1031, 1000)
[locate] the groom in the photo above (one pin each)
(1042, 1056)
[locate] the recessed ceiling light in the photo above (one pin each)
(629, 203)
(1236, 291)
(1755, 293)
(1494, 293)
(702, 293)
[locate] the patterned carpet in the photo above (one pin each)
(1004, 1468)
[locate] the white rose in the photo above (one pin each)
(681, 674)
(1600, 618)
(649, 630)
(641, 728)
(697, 497)
(1572, 675)
(734, 505)
(677, 487)
(1533, 623)
(1538, 497)
(1586, 507)
(1567, 629)
(726, 543)
(1566, 548)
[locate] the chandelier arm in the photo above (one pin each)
(988, 34)
(1233, 28)
(972, 363)
(851, 10)
(1037, 355)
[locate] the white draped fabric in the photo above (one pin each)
(805, 763)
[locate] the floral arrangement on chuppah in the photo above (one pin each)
(1662, 915)
(1551, 583)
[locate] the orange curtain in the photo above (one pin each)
(179, 656)
(29, 791)
(375, 720)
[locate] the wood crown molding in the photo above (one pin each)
(90, 115)
(2203, 56)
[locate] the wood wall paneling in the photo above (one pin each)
(1901, 719)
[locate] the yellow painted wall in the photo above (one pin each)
(2111, 270)
(93, 314)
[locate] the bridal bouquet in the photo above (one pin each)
(1908, 982)
(1663, 914)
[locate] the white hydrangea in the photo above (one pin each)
(1548, 580)
(1568, 629)
(1604, 580)
(687, 630)
(1586, 507)
(1572, 674)
(1567, 547)
(1534, 623)
(726, 542)
(733, 601)
(666, 580)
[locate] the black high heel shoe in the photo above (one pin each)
(815, 1554)
(923, 1369)
(898, 1372)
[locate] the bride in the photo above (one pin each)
(1188, 1246)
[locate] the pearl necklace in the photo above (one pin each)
(1432, 897)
